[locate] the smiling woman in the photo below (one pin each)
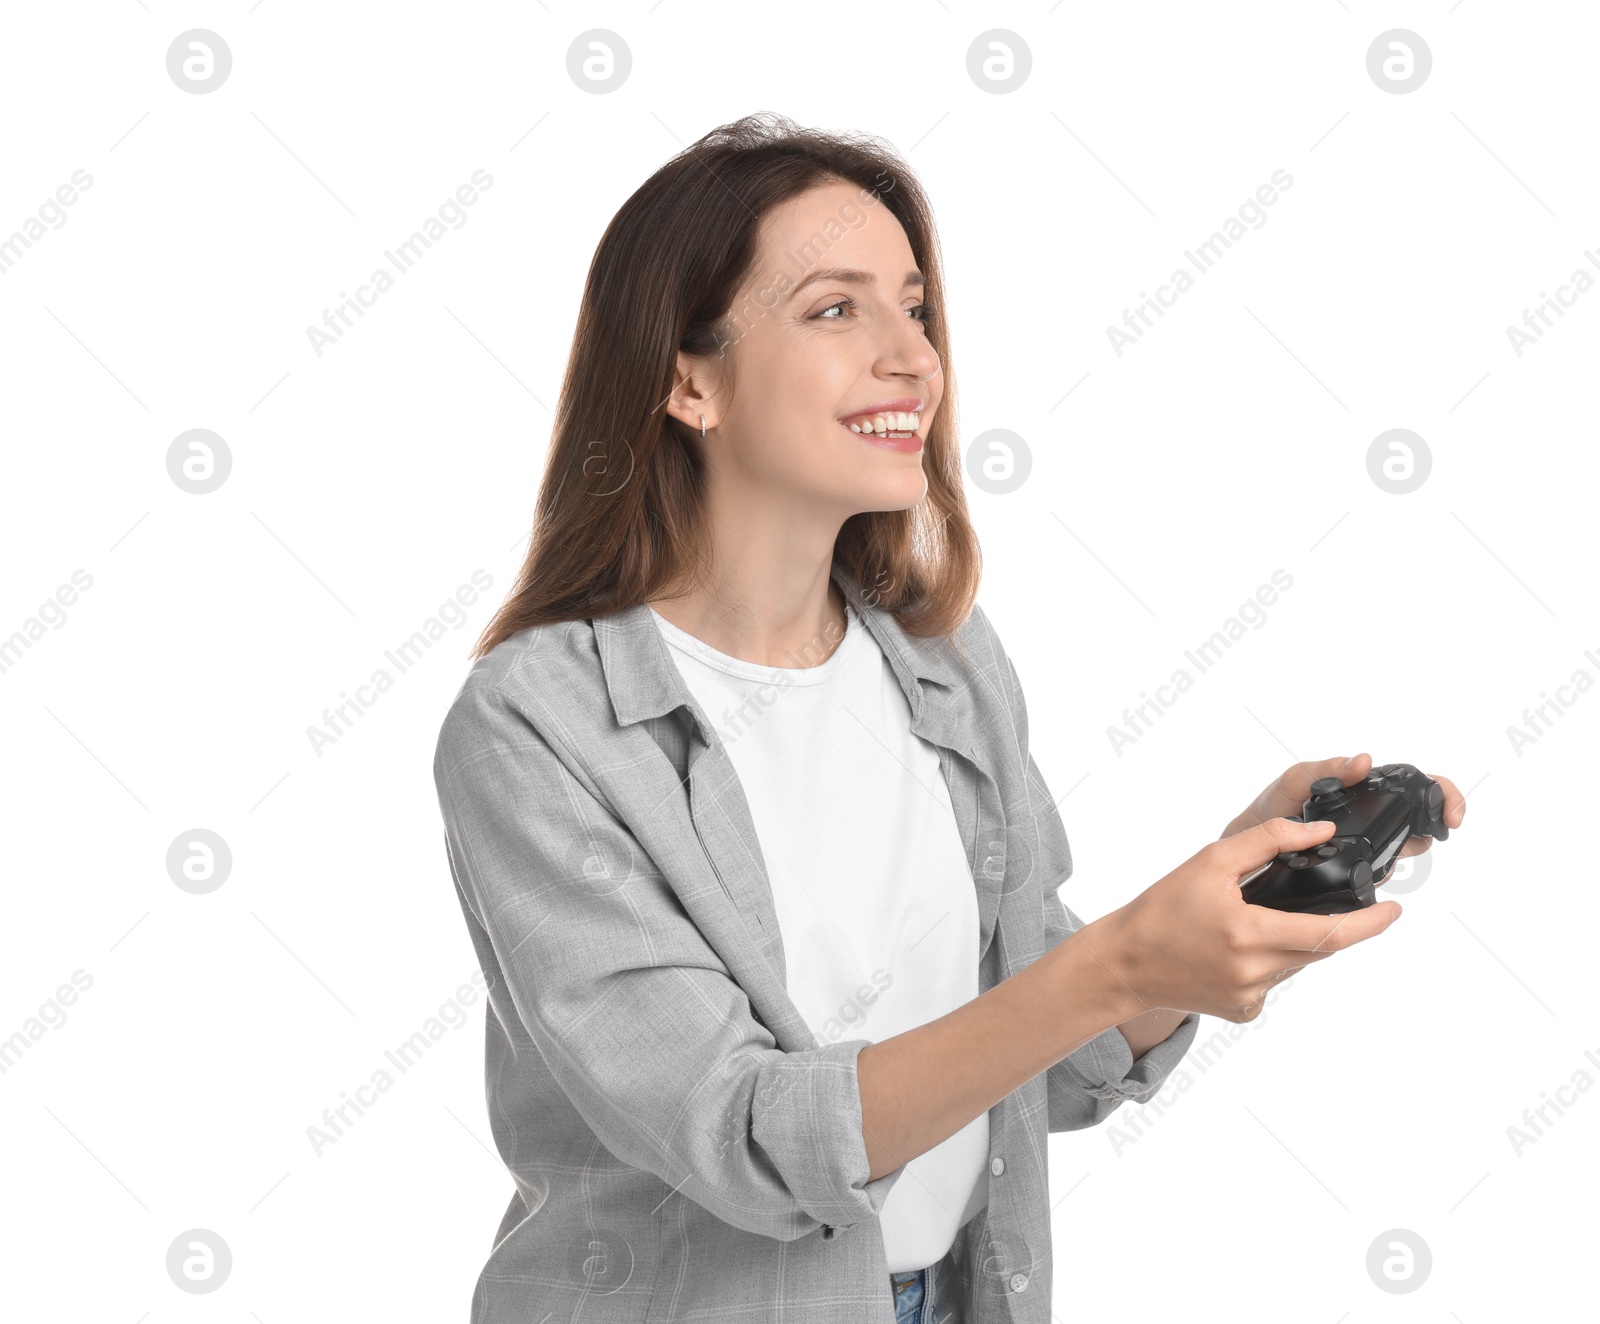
(783, 1011)
(802, 267)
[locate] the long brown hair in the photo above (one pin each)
(619, 517)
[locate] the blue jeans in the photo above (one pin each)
(924, 1296)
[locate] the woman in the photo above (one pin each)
(742, 815)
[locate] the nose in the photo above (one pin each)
(907, 351)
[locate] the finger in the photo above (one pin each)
(1289, 793)
(1455, 803)
(1325, 934)
(1252, 848)
(1415, 846)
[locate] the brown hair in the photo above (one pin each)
(619, 517)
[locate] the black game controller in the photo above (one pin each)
(1374, 818)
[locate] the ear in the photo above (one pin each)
(695, 392)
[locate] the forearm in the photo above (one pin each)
(921, 1087)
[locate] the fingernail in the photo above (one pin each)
(1351, 762)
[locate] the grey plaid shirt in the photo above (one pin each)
(683, 1147)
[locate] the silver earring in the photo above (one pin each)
(702, 427)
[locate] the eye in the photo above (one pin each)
(921, 312)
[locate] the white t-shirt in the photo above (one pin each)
(874, 894)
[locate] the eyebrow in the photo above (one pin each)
(850, 276)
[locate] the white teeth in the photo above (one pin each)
(892, 421)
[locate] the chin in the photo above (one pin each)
(895, 492)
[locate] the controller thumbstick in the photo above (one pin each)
(1326, 786)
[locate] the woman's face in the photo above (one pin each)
(827, 335)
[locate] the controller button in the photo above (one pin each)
(1326, 786)
(1298, 862)
(1435, 799)
(1392, 770)
(1326, 851)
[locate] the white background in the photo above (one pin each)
(369, 483)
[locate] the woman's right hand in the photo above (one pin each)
(1192, 943)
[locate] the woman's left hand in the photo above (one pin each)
(1287, 796)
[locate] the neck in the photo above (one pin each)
(764, 606)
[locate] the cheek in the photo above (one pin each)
(795, 451)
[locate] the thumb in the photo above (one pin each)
(1247, 851)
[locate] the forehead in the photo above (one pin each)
(834, 225)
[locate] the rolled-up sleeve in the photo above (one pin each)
(636, 1017)
(1094, 1080)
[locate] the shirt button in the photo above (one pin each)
(1019, 1282)
(997, 1166)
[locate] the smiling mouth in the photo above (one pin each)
(891, 438)
(897, 423)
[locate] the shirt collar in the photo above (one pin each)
(644, 682)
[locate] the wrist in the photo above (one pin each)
(1091, 964)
